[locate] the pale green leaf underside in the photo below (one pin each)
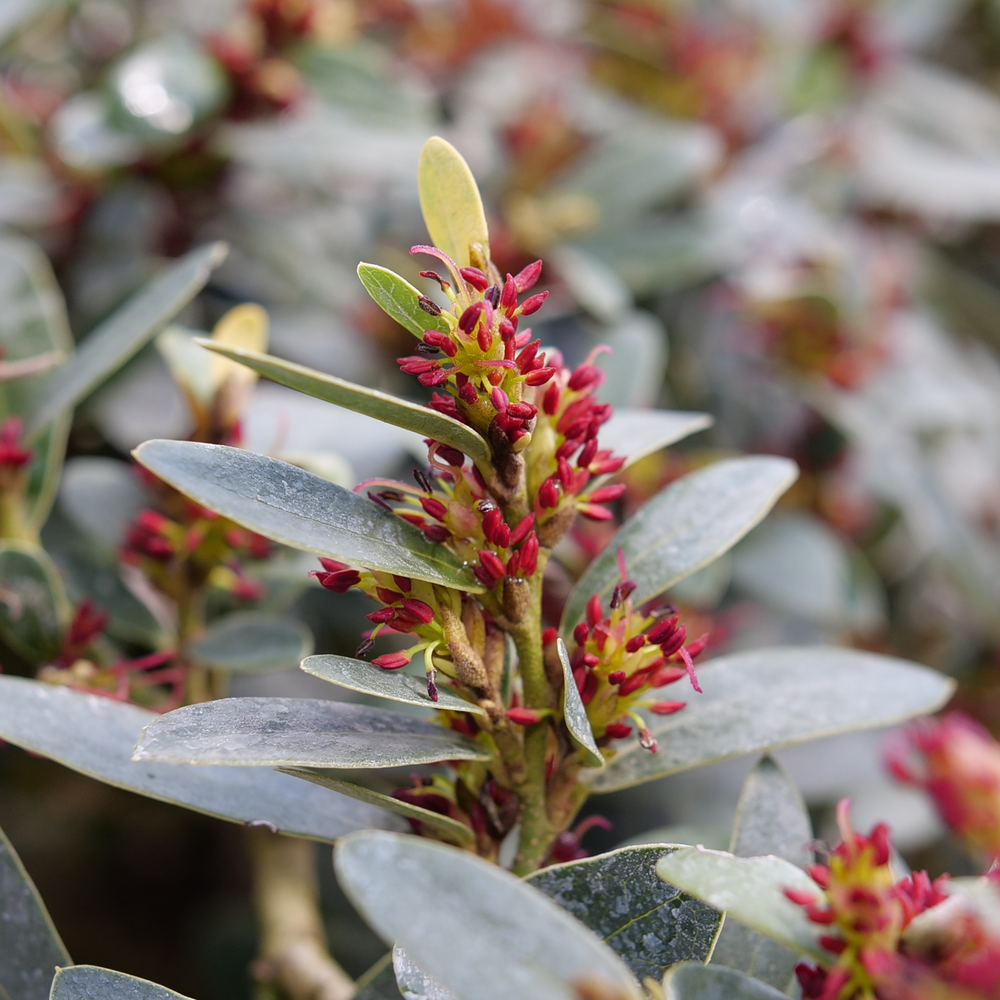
(30, 947)
(380, 405)
(684, 527)
(618, 896)
(399, 299)
(294, 507)
(298, 732)
(692, 981)
(444, 826)
(750, 890)
(759, 700)
(88, 982)
(95, 736)
(450, 201)
(436, 902)
(119, 337)
(771, 819)
(413, 983)
(33, 604)
(393, 685)
(575, 714)
(251, 642)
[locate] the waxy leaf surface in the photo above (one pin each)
(105, 349)
(413, 983)
(438, 903)
(251, 642)
(444, 826)
(296, 508)
(393, 685)
(694, 981)
(30, 948)
(750, 890)
(298, 732)
(95, 736)
(768, 698)
(771, 819)
(379, 982)
(397, 297)
(380, 405)
(32, 603)
(619, 897)
(575, 714)
(450, 201)
(684, 527)
(88, 982)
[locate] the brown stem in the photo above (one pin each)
(293, 952)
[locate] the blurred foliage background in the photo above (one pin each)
(781, 212)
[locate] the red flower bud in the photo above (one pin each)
(523, 411)
(524, 716)
(606, 466)
(423, 612)
(468, 394)
(594, 611)
(632, 684)
(605, 494)
(514, 565)
(392, 661)
(636, 642)
(484, 338)
(662, 630)
(527, 278)
(491, 563)
(540, 376)
(666, 675)
(523, 527)
(501, 536)
(339, 582)
(672, 644)
(617, 677)
(451, 456)
(580, 633)
(585, 377)
(800, 897)
(595, 513)
(468, 320)
(550, 402)
(527, 356)
(617, 730)
(529, 555)
(548, 495)
(549, 636)
(508, 295)
(434, 507)
(499, 400)
(381, 616)
(475, 277)
(667, 707)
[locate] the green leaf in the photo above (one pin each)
(397, 297)
(618, 896)
(450, 201)
(102, 496)
(473, 927)
(750, 890)
(380, 405)
(684, 527)
(33, 605)
(694, 981)
(767, 698)
(575, 714)
(444, 827)
(393, 685)
(30, 948)
(120, 336)
(251, 642)
(95, 736)
(298, 732)
(635, 434)
(413, 982)
(771, 819)
(88, 982)
(295, 508)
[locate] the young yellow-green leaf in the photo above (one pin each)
(296, 508)
(33, 605)
(767, 698)
(380, 405)
(684, 527)
(444, 827)
(399, 299)
(105, 349)
(618, 896)
(88, 982)
(575, 714)
(438, 903)
(95, 736)
(243, 328)
(450, 201)
(30, 947)
(252, 642)
(750, 890)
(771, 819)
(694, 981)
(393, 685)
(298, 732)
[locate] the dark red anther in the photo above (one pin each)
(604, 466)
(332, 565)
(539, 376)
(514, 565)
(589, 689)
(415, 365)
(501, 536)
(491, 519)
(646, 740)
(673, 643)
(523, 411)
(527, 356)
(433, 379)
(436, 532)
(364, 648)
(586, 456)
(375, 498)
(585, 377)
(533, 304)
(820, 916)
(484, 338)
(386, 596)
(594, 611)
(666, 675)
(662, 630)
(524, 716)
(617, 677)
(528, 277)
(392, 661)
(434, 507)
(632, 684)
(451, 456)
(339, 582)
(666, 707)
(468, 320)
(381, 616)
(636, 642)
(566, 475)
(550, 401)
(467, 393)
(484, 577)
(508, 295)
(491, 562)
(492, 296)
(507, 330)
(423, 612)
(567, 448)
(697, 647)
(549, 636)
(605, 494)
(434, 276)
(617, 730)
(475, 277)
(523, 527)
(548, 494)
(499, 400)
(837, 945)
(441, 341)
(529, 555)
(432, 688)
(429, 306)
(580, 633)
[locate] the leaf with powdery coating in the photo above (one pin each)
(252, 642)
(399, 299)
(618, 896)
(683, 528)
(33, 604)
(575, 714)
(767, 698)
(294, 507)
(88, 982)
(694, 981)
(298, 732)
